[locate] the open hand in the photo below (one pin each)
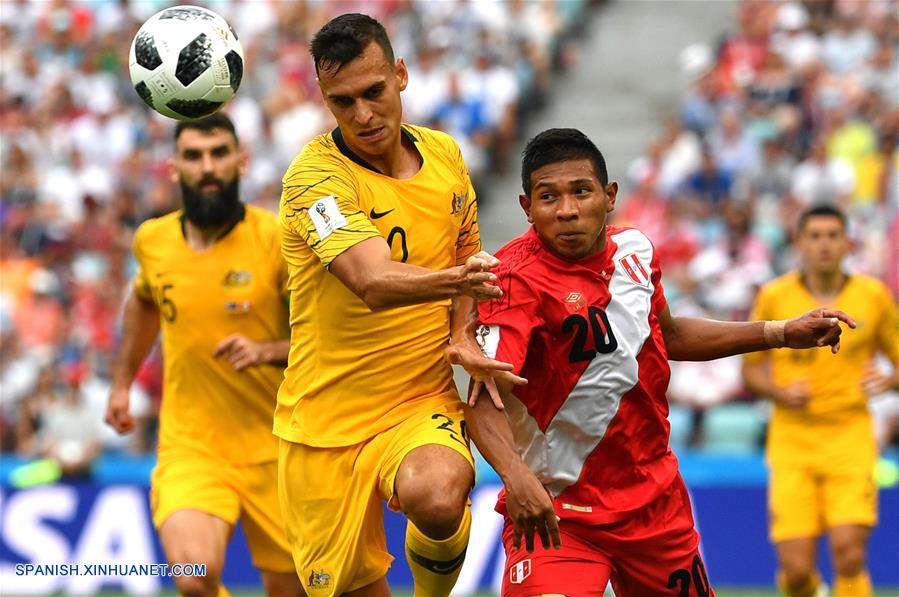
(819, 327)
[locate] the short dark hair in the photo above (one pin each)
(820, 210)
(219, 120)
(344, 38)
(560, 145)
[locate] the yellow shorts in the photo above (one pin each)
(331, 498)
(821, 478)
(195, 482)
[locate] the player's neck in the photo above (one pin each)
(402, 162)
(200, 238)
(824, 285)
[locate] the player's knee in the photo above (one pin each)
(436, 510)
(797, 577)
(848, 558)
(198, 586)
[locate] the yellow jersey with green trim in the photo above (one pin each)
(238, 285)
(353, 373)
(834, 381)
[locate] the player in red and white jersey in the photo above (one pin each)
(583, 448)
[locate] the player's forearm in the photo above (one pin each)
(757, 379)
(490, 430)
(275, 353)
(463, 311)
(400, 284)
(693, 339)
(140, 326)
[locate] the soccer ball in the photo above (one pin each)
(186, 62)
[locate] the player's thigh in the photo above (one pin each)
(657, 551)
(194, 537)
(795, 503)
(849, 545)
(427, 461)
(850, 493)
(263, 523)
(578, 569)
(281, 584)
(333, 516)
(194, 508)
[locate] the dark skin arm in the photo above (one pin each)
(527, 500)
(693, 339)
(464, 350)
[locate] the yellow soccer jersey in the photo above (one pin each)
(834, 381)
(353, 373)
(236, 286)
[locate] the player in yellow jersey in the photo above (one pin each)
(212, 278)
(821, 445)
(380, 235)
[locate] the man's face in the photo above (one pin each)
(568, 207)
(208, 166)
(364, 97)
(823, 244)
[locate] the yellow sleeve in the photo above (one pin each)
(141, 284)
(469, 240)
(888, 328)
(320, 205)
(761, 311)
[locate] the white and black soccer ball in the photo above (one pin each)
(186, 62)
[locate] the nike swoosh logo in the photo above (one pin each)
(375, 215)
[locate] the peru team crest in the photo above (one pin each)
(632, 266)
(520, 571)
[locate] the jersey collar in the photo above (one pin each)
(337, 135)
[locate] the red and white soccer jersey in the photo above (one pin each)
(592, 421)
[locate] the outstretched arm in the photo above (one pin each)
(369, 271)
(693, 339)
(140, 326)
(528, 502)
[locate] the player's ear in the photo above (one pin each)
(173, 171)
(525, 202)
(402, 73)
(243, 161)
(612, 195)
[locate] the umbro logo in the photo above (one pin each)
(374, 215)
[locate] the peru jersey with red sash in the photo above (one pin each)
(592, 421)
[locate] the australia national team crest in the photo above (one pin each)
(318, 579)
(458, 202)
(520, 571)
(634, 268)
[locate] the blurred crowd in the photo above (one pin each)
(798, 105)
(84, 162)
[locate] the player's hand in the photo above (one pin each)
(476, 279)
(793, 396)
(874, 382)
(240, 351)
(531, 510)
(117, 415)
(819, 327)
(483, 370)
